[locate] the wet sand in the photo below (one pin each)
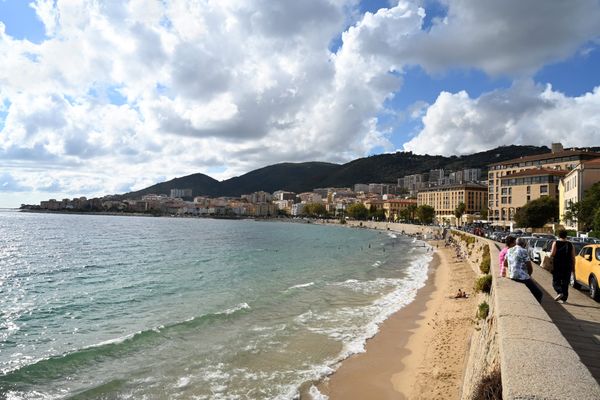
(420, 351)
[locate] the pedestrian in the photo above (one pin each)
(563, 261)
(519, 267)
(510, 241)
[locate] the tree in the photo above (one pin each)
(358, 211)
(315, 210)
(378, 215)
(537, 213)
(588, 207)
(459, 211)
(408, 214)
(425, 214)
(484, 211)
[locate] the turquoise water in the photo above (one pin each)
(164, 308)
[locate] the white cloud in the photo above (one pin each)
(239, 85)
(523, 114)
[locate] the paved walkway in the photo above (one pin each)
(578, 320)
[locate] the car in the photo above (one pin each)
(535, 247)
(587, 270)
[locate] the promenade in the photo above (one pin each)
(578, 320)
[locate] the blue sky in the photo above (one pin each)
(106, 97)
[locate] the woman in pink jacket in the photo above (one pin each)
(510, 241)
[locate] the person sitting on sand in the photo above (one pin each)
(460, 294)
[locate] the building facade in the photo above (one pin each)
(393, 207)
(572, 187)
(500, 173)
(445, 199)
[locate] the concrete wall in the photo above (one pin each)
(535, 360)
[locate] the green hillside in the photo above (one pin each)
(300, 177)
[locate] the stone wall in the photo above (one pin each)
(519, 338)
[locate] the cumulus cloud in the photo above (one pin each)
(523, 114)
(233, 86)
(510, 37)
(9, 184)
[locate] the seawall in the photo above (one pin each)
(519, 341)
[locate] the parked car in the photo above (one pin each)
(587, 270)
(535, 247)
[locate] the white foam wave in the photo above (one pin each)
(376, 264)
(314, 393)
(302, 285)
(392, 235)
(238, 307)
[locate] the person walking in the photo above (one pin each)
(563, 260)
(519, 266)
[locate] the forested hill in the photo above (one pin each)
(300, 177)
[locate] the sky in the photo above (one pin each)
(103, 97)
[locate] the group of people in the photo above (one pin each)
(515, 263)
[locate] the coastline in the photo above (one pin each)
(419, 351)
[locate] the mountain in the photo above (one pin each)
(199, 183)
(300, 177)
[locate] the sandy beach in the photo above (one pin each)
(420, 351)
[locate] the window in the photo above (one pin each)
(544, 189)
(587, 250)
(528, 190)
(528, 198)
(597, 254)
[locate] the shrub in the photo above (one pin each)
(483, 283)
(486, 261)
(483, 310)
(490, 387)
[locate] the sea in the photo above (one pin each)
(121, 307)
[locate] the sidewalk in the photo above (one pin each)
(578, 320)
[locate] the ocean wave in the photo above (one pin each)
(301, 285)
(314, 393)
(54, 367)
(392, 235)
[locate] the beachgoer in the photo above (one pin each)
(459, 294)
(518, 264)
(563, 257)
(510, 241)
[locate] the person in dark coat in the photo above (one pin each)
(563, 260)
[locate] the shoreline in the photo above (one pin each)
(410, 356)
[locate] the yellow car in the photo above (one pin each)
(587, 270)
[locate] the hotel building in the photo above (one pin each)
(513, 183)
(445, 199)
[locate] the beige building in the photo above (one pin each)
(393, 207)
(572, 188)
(503, 203)
(445, 199)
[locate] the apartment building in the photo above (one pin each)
(445, 199)
(393, 207)
(413, 183)
(572, 187)
(500, 185)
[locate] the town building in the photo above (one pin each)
(413, 183)
(361, 187)
(445, 199)
(499, 181)
(393, 207)
(181, 193)
(572, 187)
